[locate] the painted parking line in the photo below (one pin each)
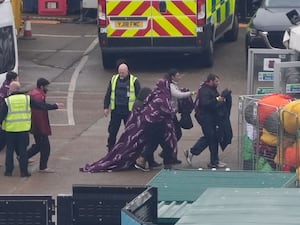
(73, 81)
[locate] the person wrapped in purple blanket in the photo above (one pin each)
(155, 109)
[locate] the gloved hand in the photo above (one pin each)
(226, 92)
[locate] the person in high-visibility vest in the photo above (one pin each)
(4, 91)
(15, 119)
(120, 96)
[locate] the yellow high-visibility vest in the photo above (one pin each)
(131, 91)
(18, 117)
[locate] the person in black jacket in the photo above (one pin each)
(212, 112)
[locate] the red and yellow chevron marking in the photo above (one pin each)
(179, 19)
(127, 9)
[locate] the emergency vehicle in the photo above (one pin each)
(8, 40)
(164, 26)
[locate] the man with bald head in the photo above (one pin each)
(15, 119)
(120, 96)
(14, 86)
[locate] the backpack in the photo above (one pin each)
(185, 107)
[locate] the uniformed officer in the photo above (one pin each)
(15, 117)
(120, 96)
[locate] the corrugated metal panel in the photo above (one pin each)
(172, 209)
(188, 185)
(244, 206)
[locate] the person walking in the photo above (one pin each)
(156, 108)
(4, 90)
(155, 132)
(174, 77)
(40, 126)
(15, 119)
(212, 112)
(120, 96)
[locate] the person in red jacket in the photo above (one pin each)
(40, 126)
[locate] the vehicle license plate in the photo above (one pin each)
(129, 24)
(51, 5)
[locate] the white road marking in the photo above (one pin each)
(73, 81)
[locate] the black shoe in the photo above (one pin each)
(154, 164)
(175, 161)
(25, 174)
(212, 166)
(8, 174)
(167, 166)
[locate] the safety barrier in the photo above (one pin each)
(25, 209)
(52, 7)
(87, 205)
(269, 128)
(93, 204)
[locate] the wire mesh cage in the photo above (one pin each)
(269, 129)
(288, 153)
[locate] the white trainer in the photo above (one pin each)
(188, 156)
(221, 164)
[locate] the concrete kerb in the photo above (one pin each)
(50, 19)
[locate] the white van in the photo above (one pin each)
(8, 40)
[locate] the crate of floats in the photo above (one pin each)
(52, 7)
(269, 132)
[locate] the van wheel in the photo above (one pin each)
(208, 55)
(232, 34)
(108, 60)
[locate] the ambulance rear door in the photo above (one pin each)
(146, 26)
(174, 23)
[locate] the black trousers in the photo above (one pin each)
(178, 130)
(200, 146)
(209, 130)
(155, 137)
(16, 141)
(114, 126)
(154, 133)
(42, 146)
(2, 139)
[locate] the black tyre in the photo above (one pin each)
(232, 34)
(208, 55)
(108, 61)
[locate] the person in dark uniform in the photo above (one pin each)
(120, 96)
